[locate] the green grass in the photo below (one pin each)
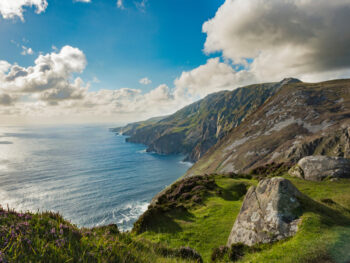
(323, 236)
(205, 227)
(47, 237)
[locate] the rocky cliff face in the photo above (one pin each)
(197, 127)
(270, 212)
(301, 119)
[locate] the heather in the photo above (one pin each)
(47, 237)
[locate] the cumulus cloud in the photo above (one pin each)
(6, 100)
(15, 8)
(50, 88)
(145, 81)
(302, 38)
(27, 51)
(49, 79)
(212, 77)
(260, 41)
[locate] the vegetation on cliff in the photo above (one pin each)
(197, 127)
(301, 119)
(47, 237)
(191, 223)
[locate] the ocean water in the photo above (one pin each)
(88, 174)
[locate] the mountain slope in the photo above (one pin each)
(197, 127)
(300, 119)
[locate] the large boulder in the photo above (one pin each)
(270, 212)
(318, 168)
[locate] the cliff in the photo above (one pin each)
(301, 119)
(194, 129)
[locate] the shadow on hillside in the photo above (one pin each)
(234, 192)
(329, 216)
(160, 221)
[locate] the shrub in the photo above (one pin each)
(219, 253)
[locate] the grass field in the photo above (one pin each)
(324, 235)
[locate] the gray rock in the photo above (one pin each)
(270, 212)
(318, 168)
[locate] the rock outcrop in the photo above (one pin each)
(318, 168)
(270, 212)
(194, 129)
(300, 120)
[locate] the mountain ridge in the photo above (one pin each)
(300, 119)
(194, 129)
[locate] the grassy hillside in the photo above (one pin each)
(197, 213)
(324, 234)
(195, 128)
(301, 119)
(47, 237)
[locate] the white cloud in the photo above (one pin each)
(141, 5)
(15, 8)
(6, 99)
(83, 1)
(50, 88)
(145, 81)
(212, 77)
(95, 80)
(260, 41)
(49, 79)
(120, 4)
(308, 39)
(27, 51)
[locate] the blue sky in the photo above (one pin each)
(122, 46)
(82, 60)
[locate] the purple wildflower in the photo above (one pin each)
(53, 230)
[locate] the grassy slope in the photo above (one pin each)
(268, 135)
(208, 226)
(47, 237)
(195, 128)
(324, 234)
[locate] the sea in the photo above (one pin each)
(85, 172)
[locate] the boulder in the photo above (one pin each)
(270, 212)
(318, 168)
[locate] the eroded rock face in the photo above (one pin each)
(318, 168)
(270, 212)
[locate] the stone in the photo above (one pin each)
(270, 212)
(318, 168)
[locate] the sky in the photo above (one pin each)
(119, 61)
